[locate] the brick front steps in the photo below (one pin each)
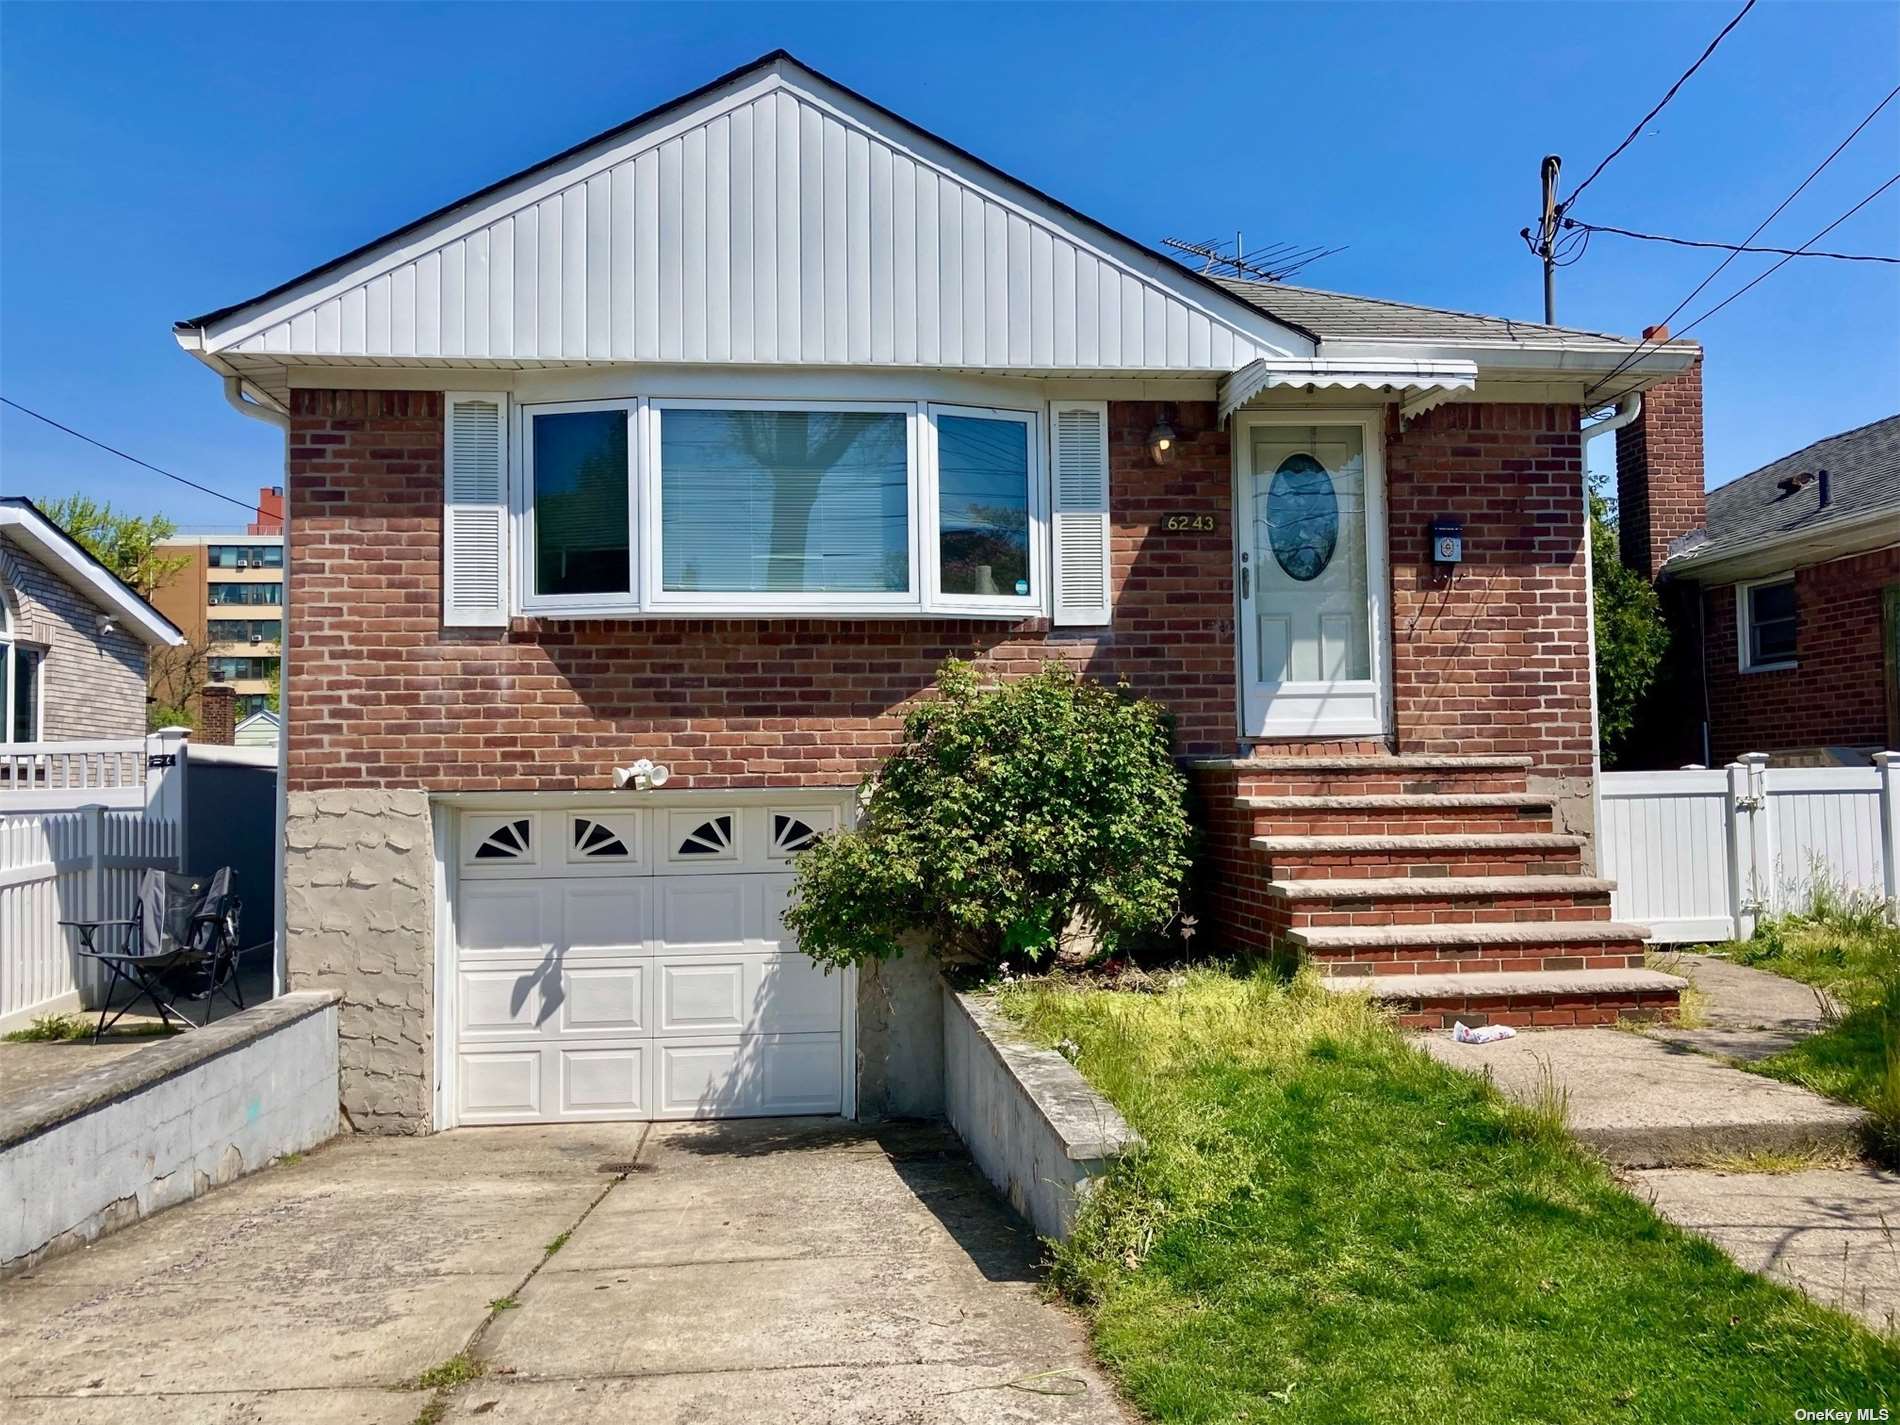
(1439, 883)
(1547, 1000)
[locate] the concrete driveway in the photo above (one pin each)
(772, 1270)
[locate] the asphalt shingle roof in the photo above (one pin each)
(1335, 316)
(1863, 469)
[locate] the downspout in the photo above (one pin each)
(1627, 410)
(234, 394)
(256, 410)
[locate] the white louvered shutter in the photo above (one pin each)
(1080, 511)
(475, 513)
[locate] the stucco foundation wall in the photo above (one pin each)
(900, 1038)
(359, 918)
(165, 1125)
(1033, 1124)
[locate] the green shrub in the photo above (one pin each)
(1010, 815)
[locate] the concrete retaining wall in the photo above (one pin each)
(158, 1127)
(1040, 1133)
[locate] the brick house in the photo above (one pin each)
(707, 440)
(1784, 586)
(74, 637)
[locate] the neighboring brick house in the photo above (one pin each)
(73, 637)
(1787, 591)
(705, 442)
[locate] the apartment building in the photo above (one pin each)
(228, 597)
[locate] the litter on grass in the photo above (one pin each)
(1463, 1033)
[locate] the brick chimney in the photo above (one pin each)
(270, 511)
(1659, 472)
(217, 714)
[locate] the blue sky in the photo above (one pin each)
(160, 160)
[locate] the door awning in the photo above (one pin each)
(1417, 385)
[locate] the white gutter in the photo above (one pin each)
(234, 393)
(1627, 410)
(234, 396)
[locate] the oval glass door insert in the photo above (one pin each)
(1302, 517)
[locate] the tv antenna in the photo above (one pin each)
(1275, 262)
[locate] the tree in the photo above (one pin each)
(1013, 821)
(174, 677)
(1632, 635)
(125, 544)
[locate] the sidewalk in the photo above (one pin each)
(1681, 1126)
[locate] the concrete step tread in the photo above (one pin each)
(1488, 762)
(1438, 887)
(1645, 1104)
(1462, 841)
(1500, 984)
(1513, 932)
(1421, 801)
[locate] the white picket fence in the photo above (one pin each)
(1703, 854)
(78, 824)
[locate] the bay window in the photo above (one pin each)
(779, 508)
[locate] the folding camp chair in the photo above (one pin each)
(181, 944)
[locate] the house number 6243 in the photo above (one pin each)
(1201, 523)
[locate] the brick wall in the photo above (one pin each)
(1493, 656)
(89, 686)
(1659, 472)
(1836, 697)
(382, 695)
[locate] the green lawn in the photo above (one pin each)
(1849, 949)
(1328, 1225)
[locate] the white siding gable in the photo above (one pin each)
(778, 221)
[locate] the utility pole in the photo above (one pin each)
(1547, 236)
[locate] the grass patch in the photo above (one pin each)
(446, 1375)
(68, 1028)
(503, 1303)
(557, 1244)
(1692, 1006)
(1846, 947)
(1325, 1223)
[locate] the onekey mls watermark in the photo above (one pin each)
(1846, 1416)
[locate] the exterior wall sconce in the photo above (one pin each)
(1161, 441)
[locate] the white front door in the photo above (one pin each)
(628, 961)
(1310, 525)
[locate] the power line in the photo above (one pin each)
(1780, 207)
(146, 464)
(1587, 228)
(1760, 277)
(1576, 192)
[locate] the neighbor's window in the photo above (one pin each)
(983, 505)
(246, 593)
(245, 556)
(580, 502)
(1770, 624)
(784, 501)
(19, 682)
(241, 630)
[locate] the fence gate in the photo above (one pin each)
(1701, 855)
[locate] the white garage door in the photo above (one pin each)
(631, 964)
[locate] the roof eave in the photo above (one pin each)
(51, 544)
(1770, 553)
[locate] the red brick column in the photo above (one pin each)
(217, 714)
(1659, 472)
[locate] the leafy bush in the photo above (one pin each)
(1010, 815)
(1631, 634)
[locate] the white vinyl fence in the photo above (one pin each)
(1702, 855)
(79, 861)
